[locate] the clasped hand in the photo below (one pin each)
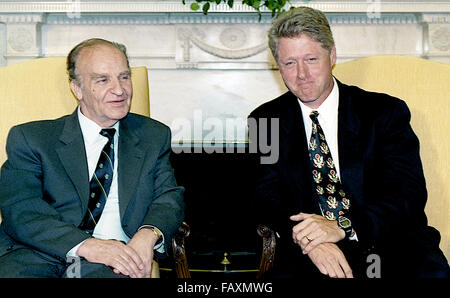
(133, 259)
(317, 236)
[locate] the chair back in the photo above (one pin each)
(425, 86)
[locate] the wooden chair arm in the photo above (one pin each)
(179, 252)
(268, 249)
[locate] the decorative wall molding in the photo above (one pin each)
(176, 6)
(236, 45)
(218, 66)
(188, 50)
(109, 19)
(364, 18)
(213, 18)
(231, 38)
(24, 18)
(21, 39)
(440, 38)
(436, 18)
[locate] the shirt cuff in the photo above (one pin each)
(353, 236)
(73, 251)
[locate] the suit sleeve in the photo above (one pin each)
(394, 184)
(265, 181)
(27, 217)
(166, 211)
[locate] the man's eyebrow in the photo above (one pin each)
(98, 75)
(126, 72)
(104, 75)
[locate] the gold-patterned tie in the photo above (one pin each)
(332, 199)
(100, 183)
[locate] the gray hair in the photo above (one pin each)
(75, 52)
(298, 21)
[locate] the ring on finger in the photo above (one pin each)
(307, 238)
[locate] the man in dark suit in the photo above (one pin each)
(347, 194)
(45, 191)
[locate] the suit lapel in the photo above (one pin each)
(293, 140)
(131, 159)
(75, 164)
(349, 143)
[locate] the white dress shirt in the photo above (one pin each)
(109, 225)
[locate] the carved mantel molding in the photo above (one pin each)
(223, 39)
(175, 6)
(218, 64)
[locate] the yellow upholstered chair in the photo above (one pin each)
(425, 86)
(39, 89)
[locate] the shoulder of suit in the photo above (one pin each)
(366, 97)
(369, 99)
(275, 106)
(44, 123)
(148, 130)
(139, 123)
(46, 127)
(370, 104)
(37, 134)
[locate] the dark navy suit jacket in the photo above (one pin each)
(381, 172)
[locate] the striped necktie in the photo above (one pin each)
(100, 183)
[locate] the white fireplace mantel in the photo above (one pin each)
(171, 6)
(217, 65)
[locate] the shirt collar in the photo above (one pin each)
(328, 108)
(90, 129)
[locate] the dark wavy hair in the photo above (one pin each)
(298, 21)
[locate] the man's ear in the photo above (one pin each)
(76, 89)
(333, 56)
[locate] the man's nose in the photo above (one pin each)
(302, 71)
(117, 87)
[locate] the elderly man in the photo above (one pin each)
(96, 185)
(347, 194)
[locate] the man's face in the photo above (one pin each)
(105, 90)
(305, 67)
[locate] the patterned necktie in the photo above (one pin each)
(332, 199)
(100, 183)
